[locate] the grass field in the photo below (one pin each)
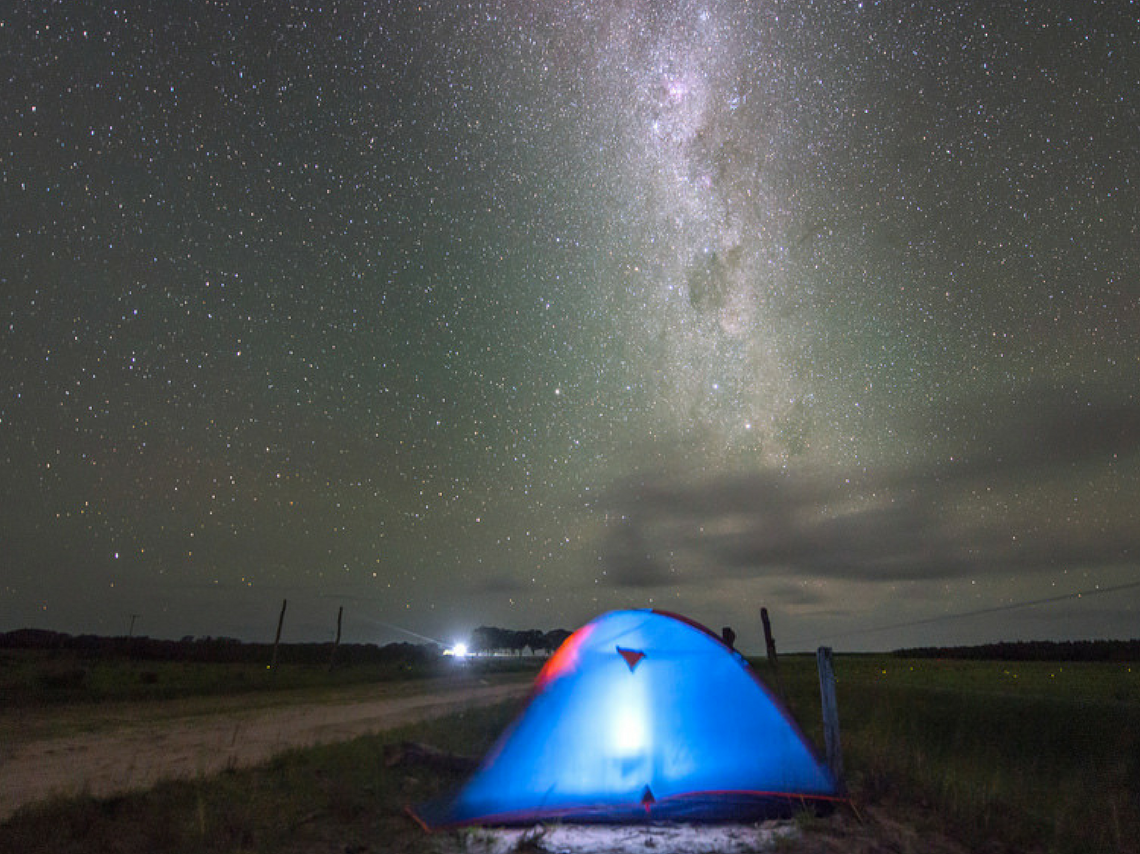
(339, 797)
(1038, 755)
(41, 678)
(1033, 757)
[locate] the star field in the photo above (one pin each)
(511, 313)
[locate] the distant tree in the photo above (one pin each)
(491, 639)
(514, 640)
(534, 640)
(487, 639)
(554, 639)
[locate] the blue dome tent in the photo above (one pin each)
(642, 715)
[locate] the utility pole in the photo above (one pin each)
(131, 630)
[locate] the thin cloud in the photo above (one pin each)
(889, 525)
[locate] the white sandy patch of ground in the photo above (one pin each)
(622, 839)
(154, 746)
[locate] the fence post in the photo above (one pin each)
(830, 714)
(336, 643)
(773, 660)
(277, 640)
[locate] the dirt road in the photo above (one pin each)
(138, 747)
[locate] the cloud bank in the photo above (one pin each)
(1036, 483)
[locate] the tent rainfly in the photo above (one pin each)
(642, 716)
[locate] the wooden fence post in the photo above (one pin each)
(773, 660)
(277, 640)
(830, 714)
(336, 643)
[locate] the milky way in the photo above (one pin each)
(514, 312)
(699, 152)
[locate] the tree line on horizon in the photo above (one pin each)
(488, 640)
(214, 650)
(485, 640)
(1092, 650)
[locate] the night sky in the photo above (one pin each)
(514, 312)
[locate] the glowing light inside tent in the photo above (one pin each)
(630, 732)
(630, 728)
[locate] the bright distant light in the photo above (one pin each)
(459, 650)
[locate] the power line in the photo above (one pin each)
(991, 610)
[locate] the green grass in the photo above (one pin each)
(340, 797)
(33, 678)
(43, 696)
(1038, 755)
(1034, 757)
(50, 678)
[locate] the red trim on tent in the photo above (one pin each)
(564, 660)
(514, 817)
(681, 618)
